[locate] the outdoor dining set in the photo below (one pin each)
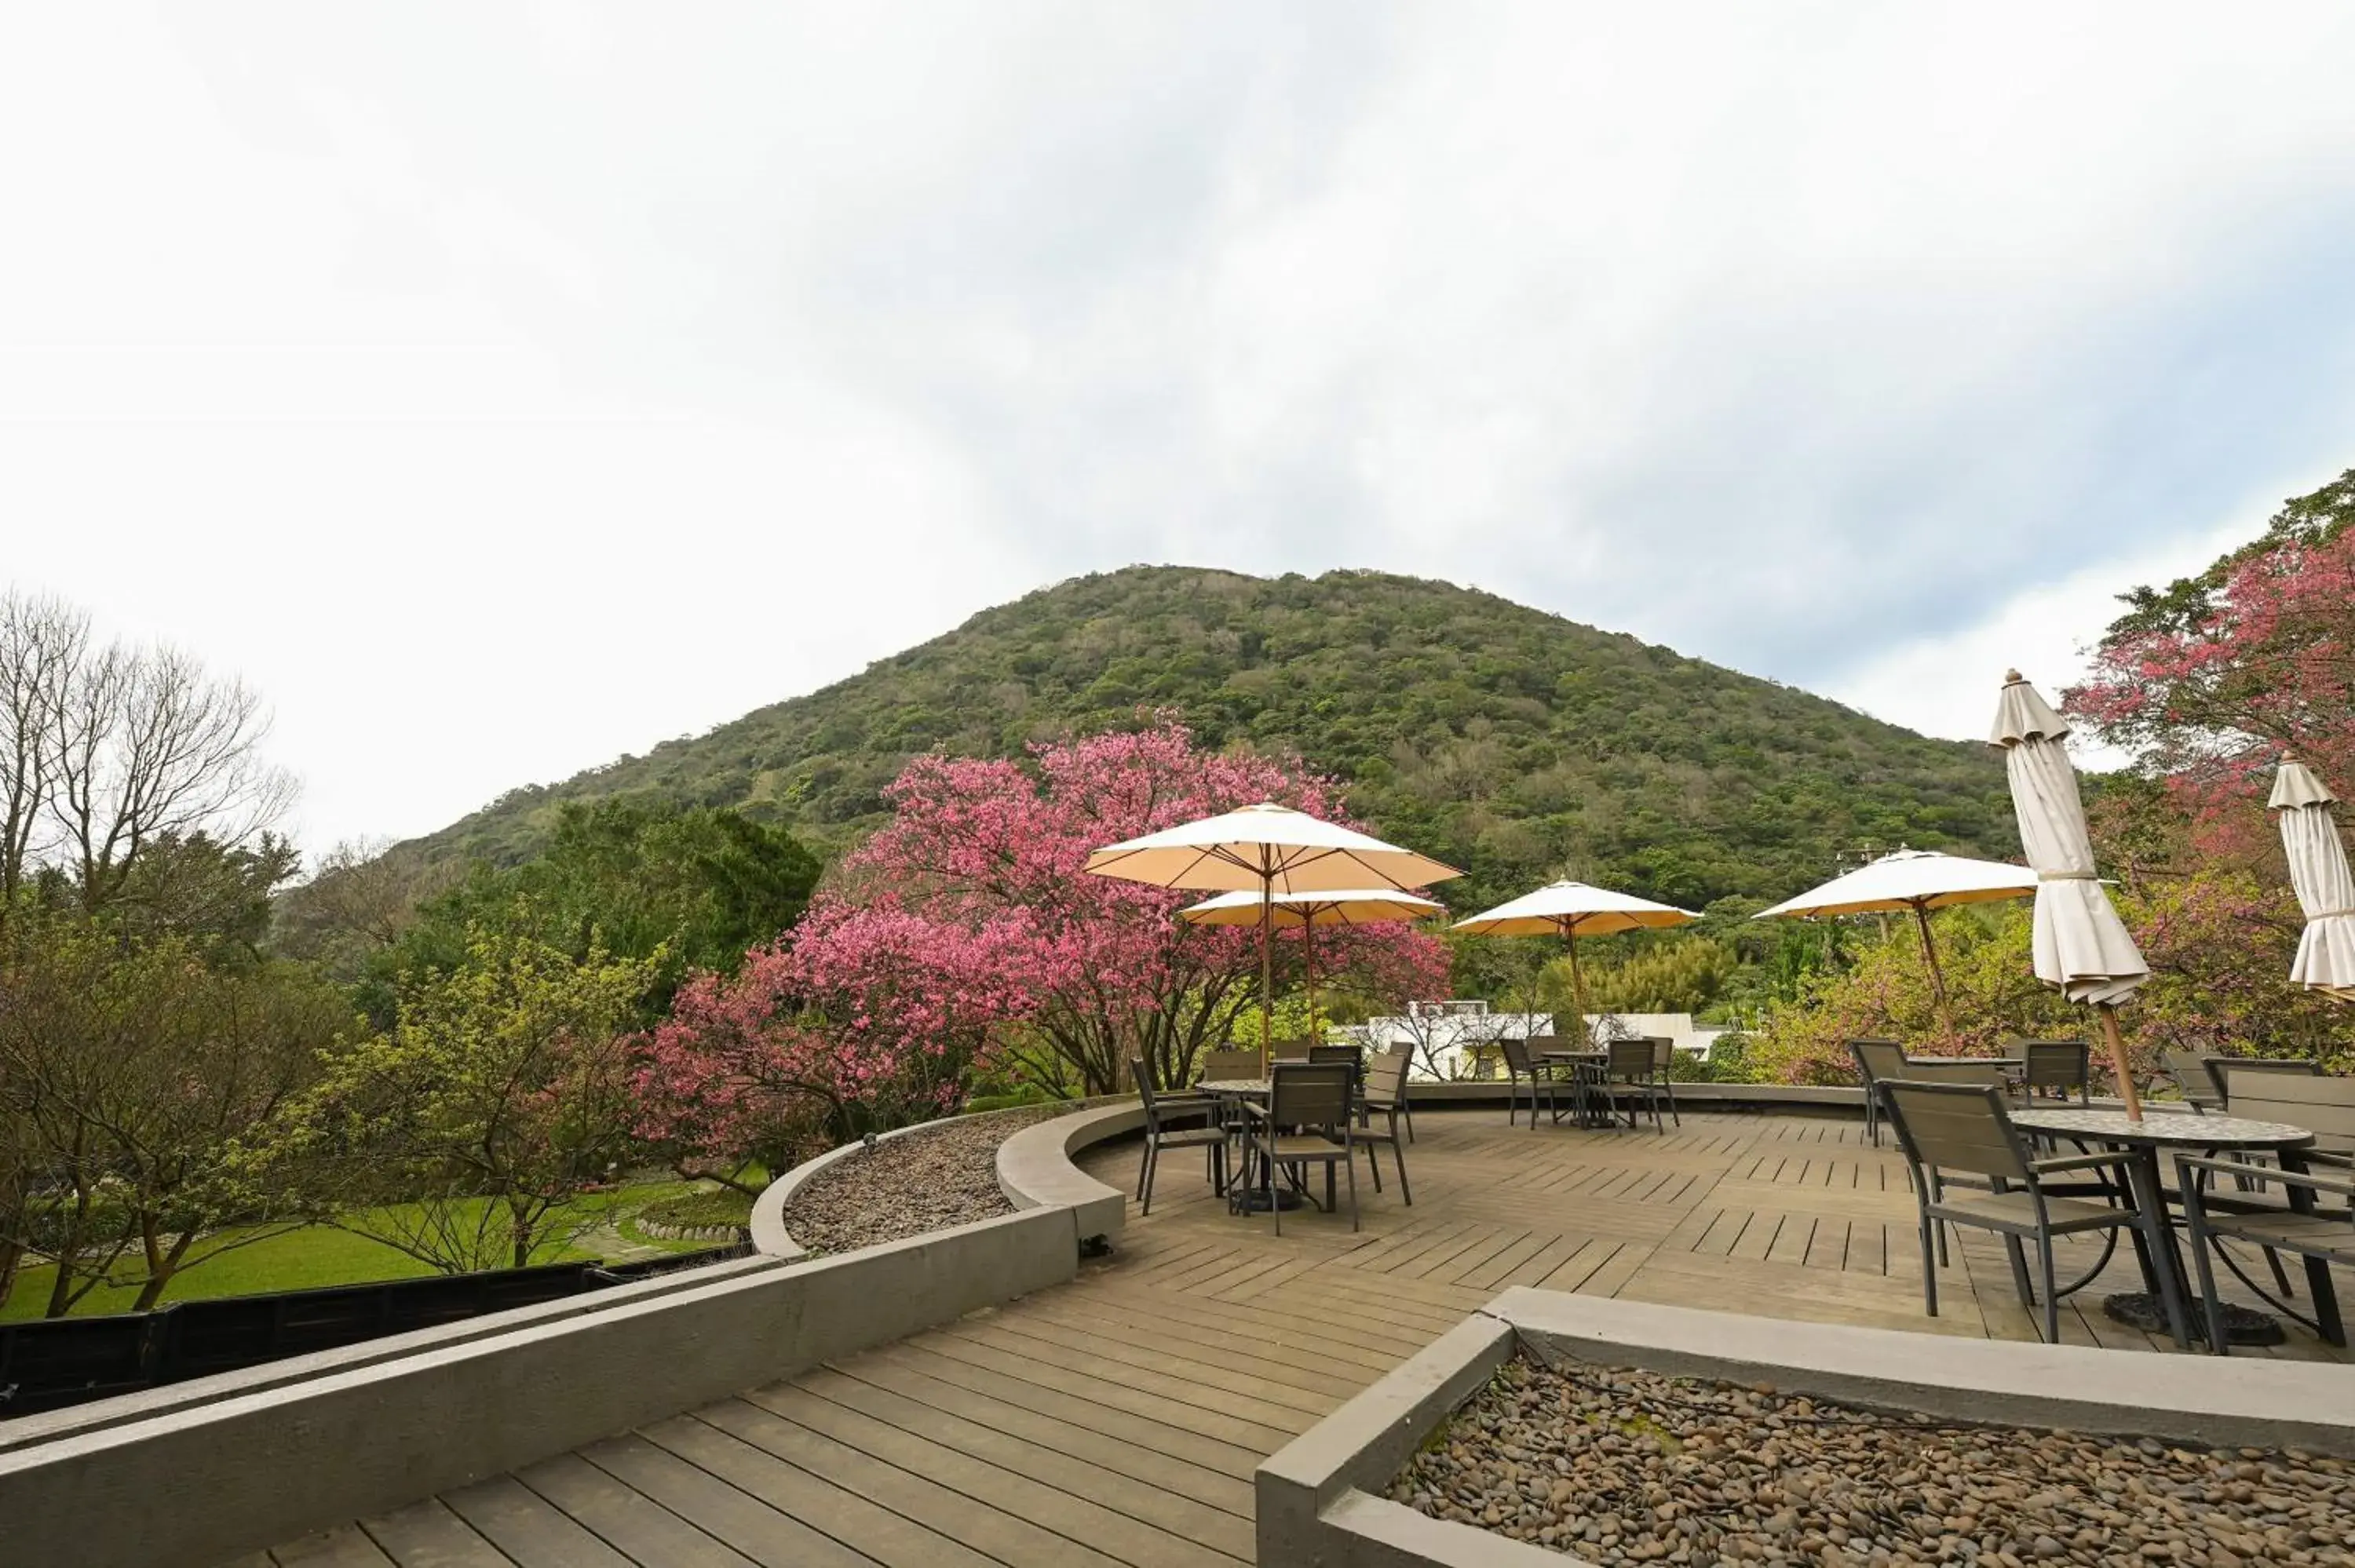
(1310, 1105)
(2259, 1156)
(2262, 1154)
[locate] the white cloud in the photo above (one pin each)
(502, 387)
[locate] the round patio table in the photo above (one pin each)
(2162, 1306)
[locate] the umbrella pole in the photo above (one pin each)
(2118, 1059)
(1266, 974)
(1937, 975)
(1308, 963)
(1584, 1036)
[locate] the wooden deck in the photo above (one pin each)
(1118, 1419)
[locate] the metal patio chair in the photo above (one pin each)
(1306, 1122)
(1664, 1056)
(1384, 1096)
(1519, 1063)
(2277, 1210)
(1632, 1068)
(1961, 1136)
(1211, 1138)
(2187, 1071)
(1875, 1060)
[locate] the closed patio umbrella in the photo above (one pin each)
(1571, 910)
(1266, 849)
(2080, 945)
(2326, 889)
(1347, 907)
(1918, 880)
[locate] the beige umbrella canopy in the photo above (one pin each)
(1918, 880)
(1346, 907)
(1571, 910)
(2326, 889)
(1266, 849)
(2080, 945)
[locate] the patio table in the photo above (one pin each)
(1583, 1108)
(2163, 1275)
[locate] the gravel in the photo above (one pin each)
(1631, 1467)
(906, 1186)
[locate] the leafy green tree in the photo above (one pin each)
(699, 888)
(133, 1074)
(466, 1134)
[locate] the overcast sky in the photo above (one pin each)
(500, 389)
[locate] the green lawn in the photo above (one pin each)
(321, 1254)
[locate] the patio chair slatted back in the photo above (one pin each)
(1349, 1054)
(1664, 1052)
(1289, 1050)
(1386, 1077)
(1219, 1066)
(1957, 1126)
(2065, 1064)
(1517, 1054)
(2188, 1071)
(1311, 1094)
(1631, 1060)
(1877, 1059)
(2324, 1107)
(2222, 1070)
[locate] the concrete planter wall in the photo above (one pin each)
(1320, 1498)
(201, 1472)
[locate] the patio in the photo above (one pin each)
(1119, 1419)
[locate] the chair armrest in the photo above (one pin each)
(1253, 1109)
(2314, 1180)
(2077, 1162)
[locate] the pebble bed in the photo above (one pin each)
(904, 1187)
(1632, 1466)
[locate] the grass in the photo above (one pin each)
(322, 1254)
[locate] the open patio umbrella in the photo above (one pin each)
(2326, 889)
(1347, 906)
(2080, 945)
(1266, 849)
(1915, 880)
(1571, 910)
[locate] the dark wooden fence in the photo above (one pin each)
(65, 1361)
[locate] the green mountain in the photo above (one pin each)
(1511, 742)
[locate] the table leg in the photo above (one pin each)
(2163, 1265)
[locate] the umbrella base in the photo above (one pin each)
(2242, 1325)
(1254, 1201)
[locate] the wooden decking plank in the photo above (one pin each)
(1235, 1460)
(1205, 1414)
(1078, 1501)
(1273, 1349)
(1212, 1489)
(528, 1529)
(1016, 1541)
(1198, 1372)
(428, 1535)
(845, 1514)
(346, 1546)
(773, 1539)
(636, 1525)
(1374, 1347)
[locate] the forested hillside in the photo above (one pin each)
(1507, 740)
